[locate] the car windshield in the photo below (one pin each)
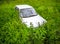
(28, 12)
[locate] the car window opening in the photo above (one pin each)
(28, 12)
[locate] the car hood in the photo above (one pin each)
(35, 21)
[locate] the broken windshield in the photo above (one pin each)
(28, 12)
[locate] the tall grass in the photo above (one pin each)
(13, 31)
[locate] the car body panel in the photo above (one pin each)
(35, 20)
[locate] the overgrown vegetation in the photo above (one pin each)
(12, 31)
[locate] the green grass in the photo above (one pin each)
(12, 31)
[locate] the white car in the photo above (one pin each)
(29, 16)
